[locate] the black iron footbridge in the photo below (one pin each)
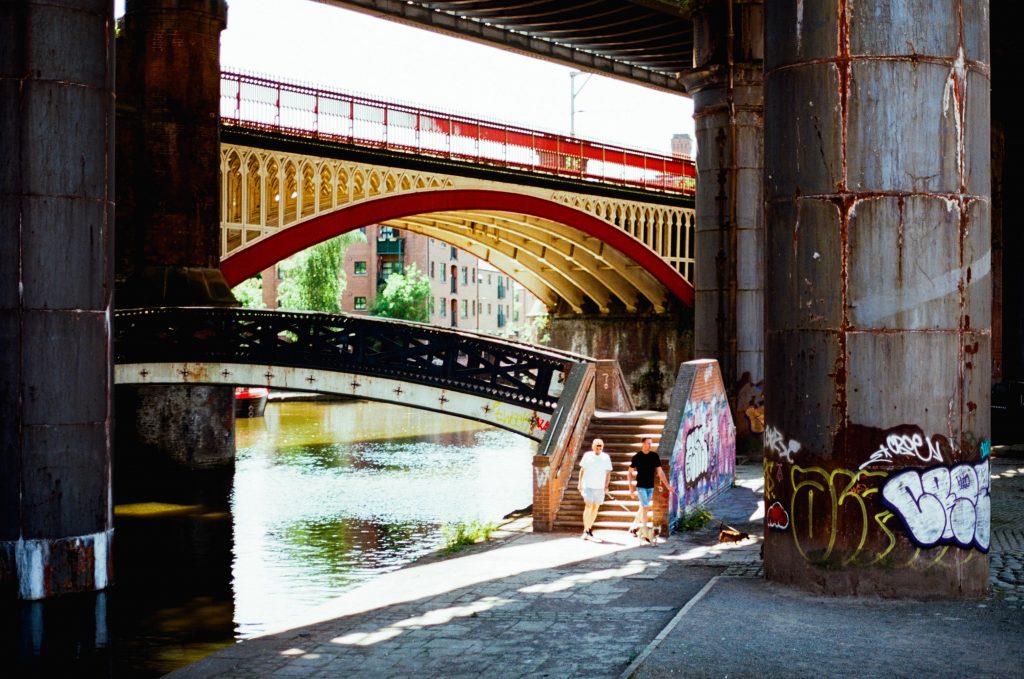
(506, 384)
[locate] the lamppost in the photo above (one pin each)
(572, 98)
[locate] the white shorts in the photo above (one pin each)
(594, 496)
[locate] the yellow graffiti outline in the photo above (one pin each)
(911, 560)
(880, 519)
(970, 556)
(792, 504)
(854, 480)
(769, 481)
(935, 562)
(837, 500)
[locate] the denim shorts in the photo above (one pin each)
(645, 495)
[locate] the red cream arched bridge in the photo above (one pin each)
(585, 226)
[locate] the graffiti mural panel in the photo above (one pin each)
(703, 453)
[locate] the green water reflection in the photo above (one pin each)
(324, 497)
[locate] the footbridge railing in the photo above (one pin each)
(507, 384)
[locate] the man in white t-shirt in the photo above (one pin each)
(595, 475)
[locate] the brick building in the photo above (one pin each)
(466, 293)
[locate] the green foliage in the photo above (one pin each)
(250, 293)
(313, 279)
(538, 330)
(459, 534)
(694, 520)
(405, 297)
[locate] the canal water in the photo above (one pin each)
(325, 496)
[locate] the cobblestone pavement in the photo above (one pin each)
(557, 606)
(1006, 557)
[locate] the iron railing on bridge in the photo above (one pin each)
(300, 110)
(411, 352)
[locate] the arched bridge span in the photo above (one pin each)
(505, 384)
(559, 252)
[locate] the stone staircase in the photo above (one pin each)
(622, 434)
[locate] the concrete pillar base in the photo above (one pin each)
(37, 569)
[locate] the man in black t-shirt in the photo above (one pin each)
(642, 470)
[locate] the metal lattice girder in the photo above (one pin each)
(469, 363)
(267, 193)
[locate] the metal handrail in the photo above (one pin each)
(294, 109)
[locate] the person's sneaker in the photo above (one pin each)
(590, 532)
(584, 536)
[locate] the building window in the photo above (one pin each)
(432, 270)
(488, 308)
(455, 278)
(444, 274)
(465, 308)
(455, 253)
(390, 267)
(360, 304)
(465, 274)
(431, 305)
(442, 305)
(473, 306)
(359, 268)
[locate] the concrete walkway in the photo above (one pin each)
(543, 605)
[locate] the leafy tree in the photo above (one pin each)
(250, 292)
(405, 296)
(314, 279)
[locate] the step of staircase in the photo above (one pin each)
(623, 435)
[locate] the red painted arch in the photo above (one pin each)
(269, 251)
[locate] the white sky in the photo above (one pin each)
(338, 49)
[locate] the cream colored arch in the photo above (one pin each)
(590, 281)
(622, 275)
(505, 256)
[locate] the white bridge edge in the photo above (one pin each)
(524, 421)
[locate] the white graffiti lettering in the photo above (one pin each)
(905, 445)
(943, 504)
(776, 443)
(698, 457)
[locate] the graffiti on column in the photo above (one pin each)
(853, 516)
(912, 445)
(947, 505)
(776, 443)
(777, 517)
(824, 504)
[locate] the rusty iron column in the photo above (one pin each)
(56, 217)
(726, 84)
(168, 217)
(878, 305)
